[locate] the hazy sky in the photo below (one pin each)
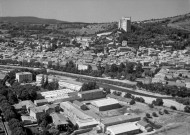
(94, 10)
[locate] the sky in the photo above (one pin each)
(94, 10)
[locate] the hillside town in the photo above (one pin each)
(117, 81)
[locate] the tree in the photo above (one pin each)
(166, 111)
(158, 102)
(139, 99)
(14, 123)
(121, 67)
(132, 102)
(107, 90)
(154, 114)
(114, 68)
(128, 95)
(44, 119)
(129, 68)
(148, 115)
(139, 67)
(89, 86)
(187, 109)
(107, 70)
(117, 93)
(9, 114)
(19, 131)
(12, 97)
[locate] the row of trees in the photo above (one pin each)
(9, 112)
(165, 89)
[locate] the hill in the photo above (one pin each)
(180, 22)
(29, 19)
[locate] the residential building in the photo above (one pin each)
(24, 77)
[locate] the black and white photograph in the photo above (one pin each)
(94, 67)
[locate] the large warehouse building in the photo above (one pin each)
(105, 104)
(123, 129)
(115, 120)
(77, 116)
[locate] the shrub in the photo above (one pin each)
(148, 115)
(173, 108)
(166, 111)
(154, 114)
(158, 102)
(139, 99)
(187, 109)
(160, 112)
(151, 105)
(132, 102)
(127, 95)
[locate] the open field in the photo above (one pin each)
(179, 125)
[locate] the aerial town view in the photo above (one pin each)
(94, 67)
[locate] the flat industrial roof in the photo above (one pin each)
(104, 102)
(59, 119)
(122, 128)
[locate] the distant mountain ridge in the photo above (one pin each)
(181, 22)
(30, 19)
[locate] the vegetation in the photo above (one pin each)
(158, 102)
(132, 102)
(165, 89)
(173, 108)
(154, 114)
(107, 90)
(45, 84)
(89, 86)
(187, 109)
(148, 115)
(139, 99)
(117, 93)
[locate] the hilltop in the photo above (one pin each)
(181, 22)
